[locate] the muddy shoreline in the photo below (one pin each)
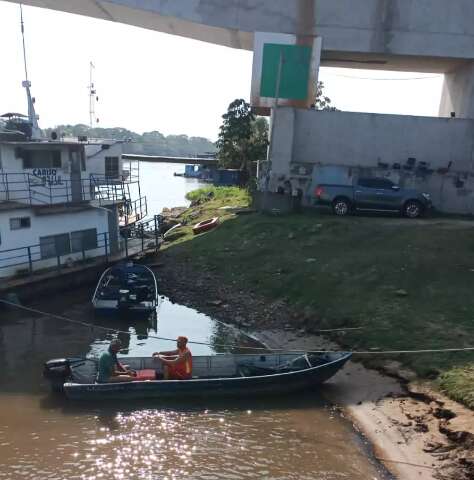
(415, 431)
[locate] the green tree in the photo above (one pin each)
(321, 102)
(243, 138)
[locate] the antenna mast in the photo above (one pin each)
(33, 118)
(93, 98)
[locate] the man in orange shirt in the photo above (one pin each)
(177, 364)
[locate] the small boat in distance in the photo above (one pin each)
(222, 375)
(126, 287)
(205, 225)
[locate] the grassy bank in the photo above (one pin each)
(408, 283)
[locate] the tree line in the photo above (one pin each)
(148, 143)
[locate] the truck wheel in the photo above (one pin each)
(341, 207)
(412, 209)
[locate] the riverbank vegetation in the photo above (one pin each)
(406, 284)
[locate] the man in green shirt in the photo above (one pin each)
(110, 369)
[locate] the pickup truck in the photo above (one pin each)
(379, 194)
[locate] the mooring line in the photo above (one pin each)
(401, 462)
(242, 347)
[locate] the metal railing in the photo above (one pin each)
(131, 212)
(26, 188)
(27, 257)
(142, 232)
(108, 189)
(131, 171)
(33, 259)
(37, 191)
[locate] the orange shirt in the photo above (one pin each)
(182, 370)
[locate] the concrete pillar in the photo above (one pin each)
(282, 139)
(458, 92)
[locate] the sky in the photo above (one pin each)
(148, 81)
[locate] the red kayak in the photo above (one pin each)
(205, 225)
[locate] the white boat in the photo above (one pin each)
(126, 287)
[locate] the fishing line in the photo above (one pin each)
(242, 347)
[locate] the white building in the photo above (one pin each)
(62, 202)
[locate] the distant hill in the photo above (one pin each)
(150, 143)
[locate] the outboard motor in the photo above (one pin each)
(57, 371)
(124, 298)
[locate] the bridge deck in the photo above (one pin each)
(167, 159)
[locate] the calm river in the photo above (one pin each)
(43, 437)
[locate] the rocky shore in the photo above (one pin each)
(415, 431)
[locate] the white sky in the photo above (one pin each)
(152, 81)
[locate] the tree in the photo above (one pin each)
(243, 138)
(322, 102)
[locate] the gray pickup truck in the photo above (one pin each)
(379, 194)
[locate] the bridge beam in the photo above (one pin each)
(406, 35)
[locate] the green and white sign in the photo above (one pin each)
(285, 70)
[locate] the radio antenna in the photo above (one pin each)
(93, 98)
(33, 118)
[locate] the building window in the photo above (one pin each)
(55, 245)
(41, 158)
(19, 223)
(84, 240)
(112, 167)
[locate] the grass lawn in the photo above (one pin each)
(408, 283)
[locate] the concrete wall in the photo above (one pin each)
(45, 225)
(336, 147)
(367, 138)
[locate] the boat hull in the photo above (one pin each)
(235, 387)
(113, 307)
(205, 226)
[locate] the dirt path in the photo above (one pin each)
(416, 432)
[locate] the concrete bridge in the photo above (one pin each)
(435, 155)
(406, 35)
(167, 159)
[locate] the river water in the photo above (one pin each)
(45, 437)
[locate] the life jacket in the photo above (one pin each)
(182, 370)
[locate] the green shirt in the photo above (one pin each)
(106, 367)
